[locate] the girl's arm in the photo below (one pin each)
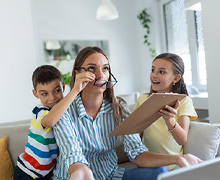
(82, 79)
(179, 130)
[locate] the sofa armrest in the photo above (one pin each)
(203, 140)
(17, 137)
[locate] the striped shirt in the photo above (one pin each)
(82, 139)
(41, 150)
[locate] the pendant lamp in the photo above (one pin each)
(107, 11)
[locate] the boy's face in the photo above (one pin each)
(49, 94)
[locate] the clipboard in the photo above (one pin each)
(146, 113)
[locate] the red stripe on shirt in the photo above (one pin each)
(36, 164)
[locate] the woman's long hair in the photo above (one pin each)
(178, 68)
(117, 103)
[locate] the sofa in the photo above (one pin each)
(203, 141)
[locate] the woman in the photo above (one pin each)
(85, 150)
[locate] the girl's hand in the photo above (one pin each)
(82, 79)
(170, 112)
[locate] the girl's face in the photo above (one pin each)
(97, 64)
(162, 76)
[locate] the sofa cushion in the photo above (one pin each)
(203, 140)
(17, 136)
(6, 167)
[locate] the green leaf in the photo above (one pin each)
(148, 32)
(66, 78)
(144, 21)
(141, 16)
(148, 44)
(145, 41)
(146, 26)
(145, 36)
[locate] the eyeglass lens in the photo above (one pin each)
(101, 82)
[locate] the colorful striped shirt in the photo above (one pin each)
(82, 139)
(41, 150)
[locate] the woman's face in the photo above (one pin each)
(162, 76)
(97, 64)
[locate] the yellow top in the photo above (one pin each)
(156, 136)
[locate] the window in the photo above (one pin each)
(183, 36)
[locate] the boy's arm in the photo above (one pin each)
(58, 110)
(82, 79)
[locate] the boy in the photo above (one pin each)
(40, 154)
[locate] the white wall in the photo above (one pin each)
(18, 60)
(211, 30)
(27, 23)
(145, 60)
(76, 20)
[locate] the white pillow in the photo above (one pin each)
(203, 140)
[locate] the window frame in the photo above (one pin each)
(192, 38)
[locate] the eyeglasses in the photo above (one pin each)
(101, 82)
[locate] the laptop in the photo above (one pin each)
(207, 170)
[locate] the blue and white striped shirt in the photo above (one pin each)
(82, 139)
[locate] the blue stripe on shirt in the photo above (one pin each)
(40, 153)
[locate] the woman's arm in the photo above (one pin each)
(70, 149)
(151, 159)
(80, 171)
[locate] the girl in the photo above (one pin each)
(169, 132)
(85, 150)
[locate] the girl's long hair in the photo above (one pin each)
(178, 68)
(117, 102)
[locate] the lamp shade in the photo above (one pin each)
(107, 11)
(52, 45)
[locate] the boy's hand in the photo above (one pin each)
(82, 79)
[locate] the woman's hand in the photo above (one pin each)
(170, 112)
(188, 160)
(80, 171)
(82, 174)
(82, 79)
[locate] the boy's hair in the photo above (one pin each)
(45, 74)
